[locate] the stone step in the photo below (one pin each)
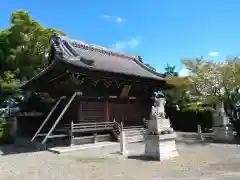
(138, 138)
(142, 130)
(135, 133)
(135, 129)
(132, 127)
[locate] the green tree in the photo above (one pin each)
(178, 94)
(215, 82)
(170, 71)
(24, 48)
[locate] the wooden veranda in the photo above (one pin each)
(95, 117)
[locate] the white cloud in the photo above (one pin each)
(116, 19)
(106, 16)
(213, 54)
(132, 43)
(119, 20)
(183, 72)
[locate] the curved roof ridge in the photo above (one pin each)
(99, 49)
(148, 68)
(94, 47)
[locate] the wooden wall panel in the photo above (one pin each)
(91, 111)
(130, 114)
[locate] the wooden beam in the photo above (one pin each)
(60, 116)
(71, 133)
(47, 118)
(113, 97)
(106, 109)
(125, 91)
(80, 112)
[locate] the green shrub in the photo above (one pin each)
(191, 115)
(5, 137)
(197, 108)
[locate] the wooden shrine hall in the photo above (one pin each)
(96, 89)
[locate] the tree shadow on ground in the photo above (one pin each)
(207, 142)
(194, 139)
(17, 149)
(194, 142)
(142, 158)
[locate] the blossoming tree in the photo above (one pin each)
(215, 82)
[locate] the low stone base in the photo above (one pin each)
(224, 134)
(161, 147)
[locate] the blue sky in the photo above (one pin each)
(161, 31)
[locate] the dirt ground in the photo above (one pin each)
(196, 161)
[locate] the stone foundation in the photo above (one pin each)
(161, 147)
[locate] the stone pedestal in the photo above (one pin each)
(158, 126)
(161, 147)
(160, 139)
(223, 130)
(224, 133)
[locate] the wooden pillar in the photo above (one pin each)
(71, 134)
(106, 109)
(125, 110)
(80, 112)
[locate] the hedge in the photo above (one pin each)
(190, 116)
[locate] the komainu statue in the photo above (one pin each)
(158, 109)
(158, 122)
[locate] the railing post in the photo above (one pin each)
(71, 133)
(114, 123)
(144, 122)
(123, 150)
(199, 131)
(94, 137)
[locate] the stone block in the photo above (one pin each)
(161, 147)
(156, 126)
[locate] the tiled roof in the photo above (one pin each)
(98, 58)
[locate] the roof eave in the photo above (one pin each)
(36, 77)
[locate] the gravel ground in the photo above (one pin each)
(196, 161)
